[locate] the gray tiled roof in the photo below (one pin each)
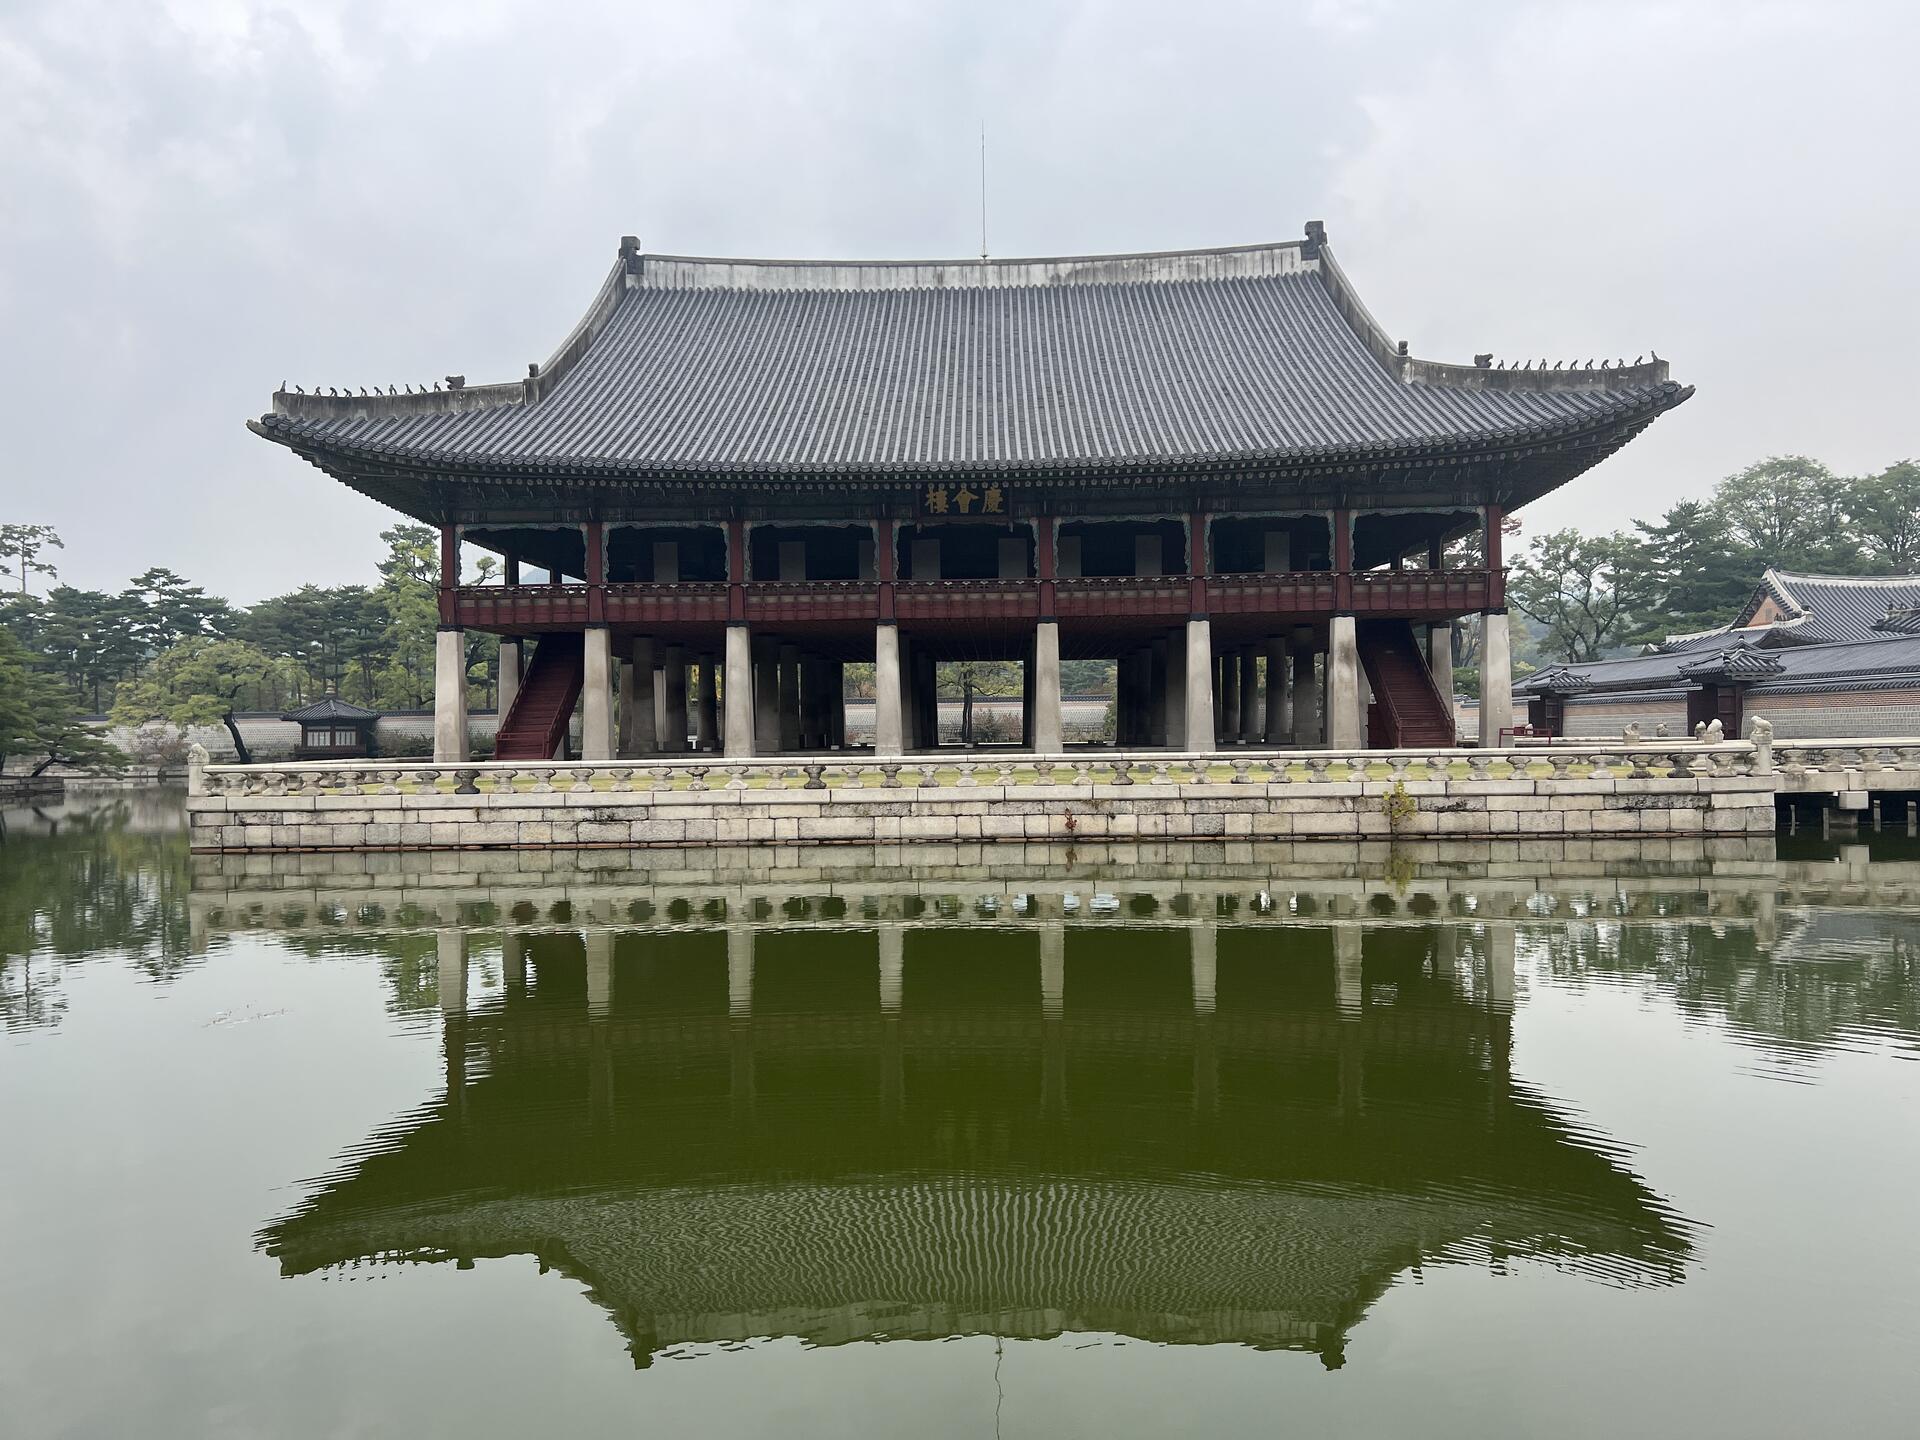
(1851, 661)
(1837, 607)
(331, 708)
(746, 366)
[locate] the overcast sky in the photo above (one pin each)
(200, 199)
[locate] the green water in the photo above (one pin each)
(956, 1142)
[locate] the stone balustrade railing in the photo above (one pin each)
(1679, 760)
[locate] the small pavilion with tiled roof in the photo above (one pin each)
(333, 729)
(735, 476)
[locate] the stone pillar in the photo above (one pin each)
(1500, 954)
(644, 738)
(789, 697)
(1047, 719)
(450, 743)
(1053, 968)
(512, 665)
(623, 708)
(1249, 696)
(1159, 725)
(452, 947)
(673, 739)
(1204, 949)
(766, 696)
(1176, 648)
(739, 972)
(596, 696)
(892, 947)
(813, 703)
(706, 710)
(1348, 989)
(1440, 661)
(1346, 726)
(1199, 737)
(927, 680)
(739, 697)
(1229, 699)
(1496, 679)
(1306, 696)
(887, 736)
(599, 974)
(1279, 731)
(837, 704)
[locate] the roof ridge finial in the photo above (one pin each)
(1316, 239)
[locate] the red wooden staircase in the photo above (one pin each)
(537, 724)
(1408, 711)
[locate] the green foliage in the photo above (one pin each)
(1398, 806)
(409, 599)
(199, 682)
(1581, 589)
(21, 547)
(39, 723)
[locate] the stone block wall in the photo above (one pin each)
(1473, 808)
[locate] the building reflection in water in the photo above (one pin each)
(1176, 1124)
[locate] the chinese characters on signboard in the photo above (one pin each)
(963, 499)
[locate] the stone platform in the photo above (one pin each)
(1676, 789)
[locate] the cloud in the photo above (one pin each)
(205, 198)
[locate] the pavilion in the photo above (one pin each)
(1194, 1134)
(1214, 467)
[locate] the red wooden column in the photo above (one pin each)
(1197, 563)
(1043, 562)
(1343, 561)
(885, 565)
(449, 574)
(1496, 565)
(736, 570)
(596, 572)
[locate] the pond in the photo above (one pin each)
(1327, 1140)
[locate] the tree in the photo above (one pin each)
(39, 721)
(24, 544)
(1578, 588)
(1687, 571)
(1884, 512)
(409, 595)
(1788, 510)
(200, 681)
(968, 678)
(167, 610)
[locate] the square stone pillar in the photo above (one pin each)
(837, 704)
(623, 709)
(451, 745)
(596, 696)
(1249, 696)
(789, 697)
(1440, 664)
(1046, 688)
(813, 707)
(512, 666)
(1346, 723)
(739, 693)
(644, 737)
(1278, 730)
(1176, 644)
(766, 696)
(1496, 680)
(1306, 695)
(706, 724)
(1159, 723)
(888, 739)
(1229, 699)
(673, 717)
(1199, 737)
